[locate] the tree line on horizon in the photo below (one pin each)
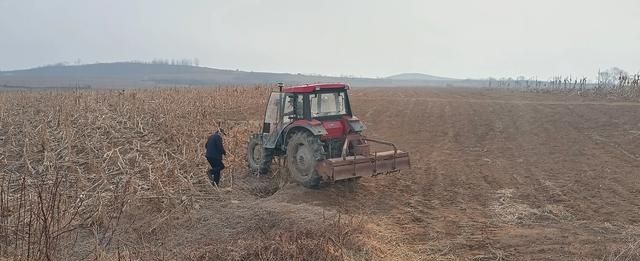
(165, 61)
(613, 81)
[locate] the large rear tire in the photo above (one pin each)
(304, 151)
(254, 153)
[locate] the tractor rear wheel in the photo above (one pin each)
(304, 151)
(254, 153)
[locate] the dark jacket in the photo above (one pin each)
(214, 146)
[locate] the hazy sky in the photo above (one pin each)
(456, 38)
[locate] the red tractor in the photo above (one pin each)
(313, 127)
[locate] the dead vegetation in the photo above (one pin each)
(498, 175)
(511, 211)
(113, 175)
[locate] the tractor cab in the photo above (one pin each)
(323, 109)
(321, 102)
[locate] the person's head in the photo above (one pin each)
(221, 130)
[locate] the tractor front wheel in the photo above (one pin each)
(254, 153)
(304, 151)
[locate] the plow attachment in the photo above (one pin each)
(362, 163)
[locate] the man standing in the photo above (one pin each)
(215, 150)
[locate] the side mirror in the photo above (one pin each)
(266, 127)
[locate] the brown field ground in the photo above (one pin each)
(496, 175)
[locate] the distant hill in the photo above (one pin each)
(418, 77)
(141, 75)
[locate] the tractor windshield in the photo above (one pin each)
(328, 104)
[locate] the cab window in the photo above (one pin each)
(327, 104)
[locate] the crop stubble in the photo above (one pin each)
(496, 175)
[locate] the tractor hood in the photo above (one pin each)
(337, 129)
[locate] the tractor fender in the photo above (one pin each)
(314, 127)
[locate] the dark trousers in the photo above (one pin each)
(216, 167)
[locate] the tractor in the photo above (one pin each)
(313, 128)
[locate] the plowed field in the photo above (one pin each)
(511, 175)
